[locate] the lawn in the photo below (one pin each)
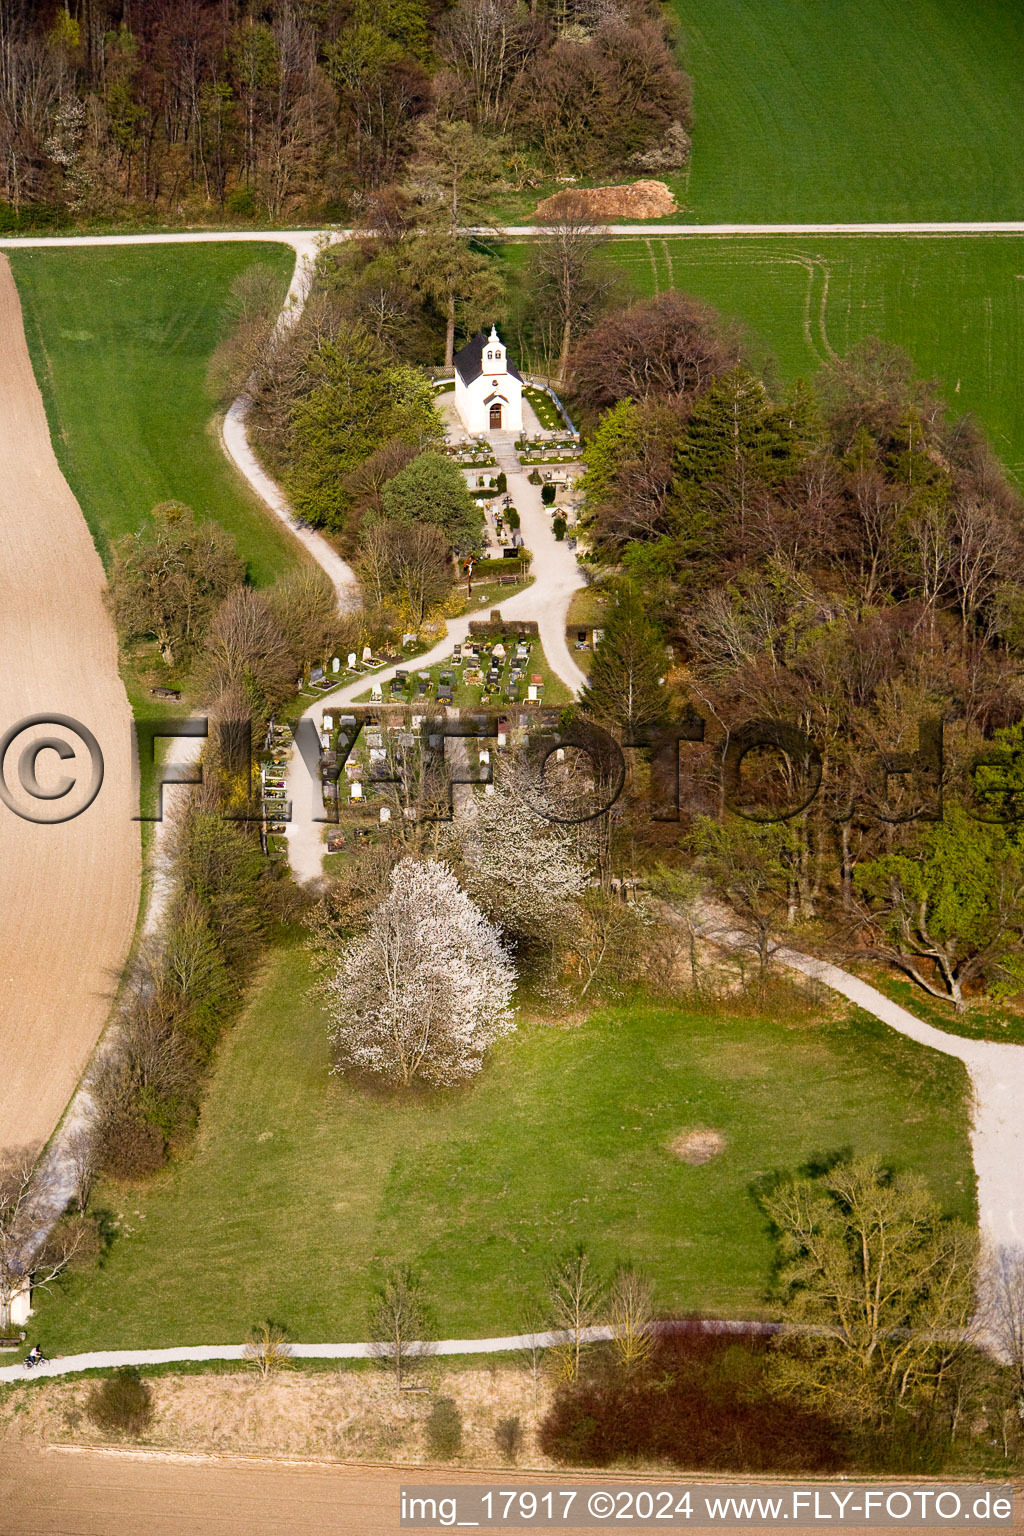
(854, 109)
(120, 340)
(302, 1186)
(956, 305)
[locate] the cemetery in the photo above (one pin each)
(487, 670)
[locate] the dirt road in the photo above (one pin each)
(69, 891)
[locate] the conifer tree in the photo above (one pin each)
(626, 680)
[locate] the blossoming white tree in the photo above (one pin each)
(524, 871)
(426, 990)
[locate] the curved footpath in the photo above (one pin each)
(997, 1077)
(996, 1072)
(69, 1365)
(235, 442)
(556, 576)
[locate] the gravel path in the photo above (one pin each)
(309, 237)
(236, 443)
(69, 1365)
(556, 577)
(997, 1079)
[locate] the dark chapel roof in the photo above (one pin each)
(469, 362)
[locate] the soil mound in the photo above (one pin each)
(698, 1146)
(637, 200)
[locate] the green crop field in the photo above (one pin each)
(855, 109)
(120, 340)
(956, 305)
(302, 1185)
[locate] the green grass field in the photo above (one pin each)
(956, 305)
(302, 1186)
(120, 340)
(854, 109)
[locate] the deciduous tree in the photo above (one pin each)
(399, 1321)
(952, 912)
(426, 991)
(23, 1254)
(433, 490)
(576, 1294)
(877, 1287)
(167, 580)
(671, 346)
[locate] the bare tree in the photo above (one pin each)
(406, 563)
(631, 1315)
(267, 1350)
(575, 1296)
(533, 1330)
(246, 649)
(399, 1321)
(983, 555)
(929, 551)
(670, 346)
(26, 1256)
(565, 281)
(873, 509)
(1004, 1313)
(305, 605)
(80, 1149)
(609, 942)
(488, 44)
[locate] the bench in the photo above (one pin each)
(12, 1343)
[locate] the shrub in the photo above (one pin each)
(122, 1404)
(508, 1437)
(241, 202)
(702, 1401)
(558, 528)
(534, 477)
(129, 1147)
(502, 481)
(444, 1430)
(512, 517)
(267, 1349)
(547, 495)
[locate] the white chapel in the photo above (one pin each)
(488, 390)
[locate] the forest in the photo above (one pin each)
(304, 110)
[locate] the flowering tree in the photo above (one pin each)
(525, 872)
(426, 989)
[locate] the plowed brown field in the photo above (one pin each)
(68, 891)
